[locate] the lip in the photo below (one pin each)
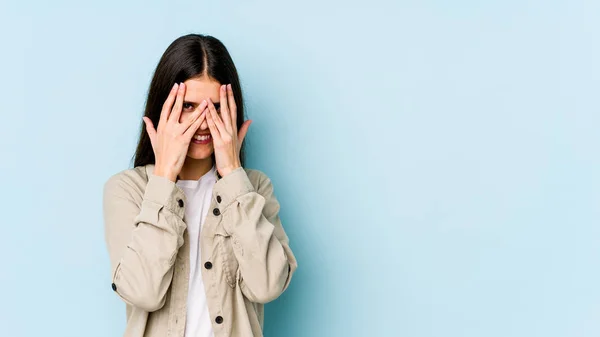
(202, 142)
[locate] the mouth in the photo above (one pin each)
(202, 139)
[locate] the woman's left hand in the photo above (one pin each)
(227, 140)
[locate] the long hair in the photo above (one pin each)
(189, 56)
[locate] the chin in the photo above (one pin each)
(200, 152)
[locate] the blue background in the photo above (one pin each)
(436, 161)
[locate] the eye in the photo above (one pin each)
(188, 106)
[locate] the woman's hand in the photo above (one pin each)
(227, 140)
(171, 139)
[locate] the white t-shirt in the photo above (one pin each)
(198, 194)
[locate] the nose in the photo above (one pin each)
(204, 125)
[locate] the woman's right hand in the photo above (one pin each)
(171, 139)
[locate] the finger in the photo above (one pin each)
(231, 105)
(216, 119)
(150, 129)
(166, 108)
(214, 131)
(225, 115)
(243, 131)
(195, 116)
(176, 111)
(189, 133)
(193, 119)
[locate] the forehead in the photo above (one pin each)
(197, 89)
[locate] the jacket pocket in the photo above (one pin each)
(226, 256)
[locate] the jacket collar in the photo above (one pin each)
(150, 170)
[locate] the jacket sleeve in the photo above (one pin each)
(261, 247)
(143, 239)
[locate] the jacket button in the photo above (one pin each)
(218, 198)
(180, 202)
(208, 265)
(219, 319)
(216, 212)
(114, 287)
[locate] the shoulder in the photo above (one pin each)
(261, 182)
(257, 177)
(264, 187)
(129, 183)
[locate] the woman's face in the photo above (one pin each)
(197, 90)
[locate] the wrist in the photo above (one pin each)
(169, 174)
(227, 170)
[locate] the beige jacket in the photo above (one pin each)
(247, 260)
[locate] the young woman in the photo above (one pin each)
(195, 240)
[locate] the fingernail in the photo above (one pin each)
(229, 86)
(174, 86)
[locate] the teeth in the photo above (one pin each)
(201, 137)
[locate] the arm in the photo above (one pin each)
(251, 216)
(143, 240)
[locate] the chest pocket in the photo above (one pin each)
(223, 245)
